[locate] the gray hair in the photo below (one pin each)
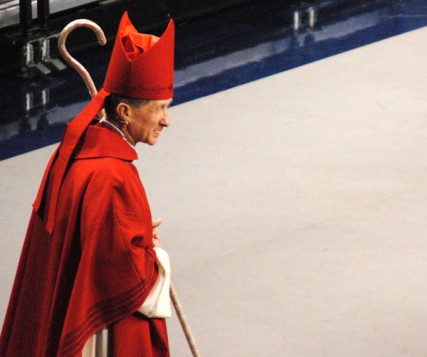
(113, 100)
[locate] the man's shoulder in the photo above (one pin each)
(109, 171)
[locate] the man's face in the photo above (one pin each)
(148, 120)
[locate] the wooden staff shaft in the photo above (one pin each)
(183, 321)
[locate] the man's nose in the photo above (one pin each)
(165, 119)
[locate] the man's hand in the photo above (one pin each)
(156, 237)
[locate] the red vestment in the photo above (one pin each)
(97, 266)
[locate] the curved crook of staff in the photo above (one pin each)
(73, 62)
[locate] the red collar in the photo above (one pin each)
(100, 141)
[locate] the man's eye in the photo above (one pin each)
(162, 108)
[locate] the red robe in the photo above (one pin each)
(96, 267)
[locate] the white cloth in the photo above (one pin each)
(158, 303)
(89, 349)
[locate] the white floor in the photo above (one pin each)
(294, 207)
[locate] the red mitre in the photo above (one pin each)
(141, 65)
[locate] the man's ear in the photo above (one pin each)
(122, 110)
